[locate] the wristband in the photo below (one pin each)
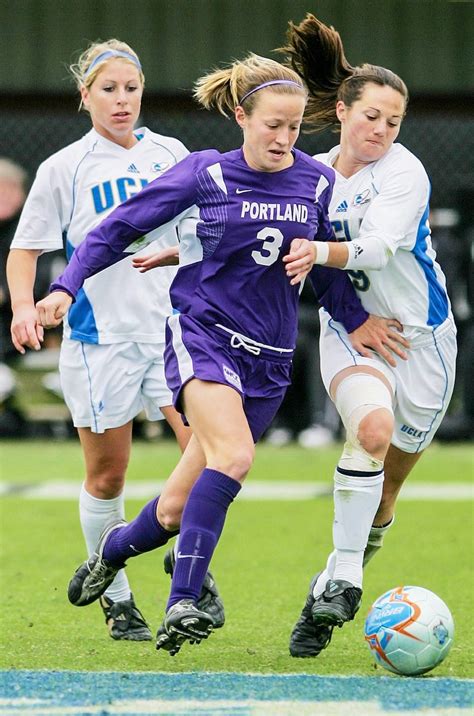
(322, 252)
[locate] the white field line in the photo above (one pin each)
(253, 490)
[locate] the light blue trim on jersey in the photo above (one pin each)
(94, 415)
(348, 346)
(443, 399)
(82, 321)
(437, 297)
(81, 314)
(73, 203)
(167, 149)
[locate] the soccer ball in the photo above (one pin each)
(409, 630)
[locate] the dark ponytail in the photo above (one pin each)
(315, 51)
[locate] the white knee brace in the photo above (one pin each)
(357, 396)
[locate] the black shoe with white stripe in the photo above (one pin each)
(183, 622)
(92, 578)
(308, 639)
(209, 600)
(338, 604)
(124, 620)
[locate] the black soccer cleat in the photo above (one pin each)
(183, 622)
(308, 639)
(169, 642)
(209, 600)
(124, 620)
(338, 604)
(92, 578)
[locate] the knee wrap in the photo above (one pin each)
(357, 396)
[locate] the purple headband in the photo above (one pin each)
(112, 53)
(269, 84)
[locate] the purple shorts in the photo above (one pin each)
(194, 350)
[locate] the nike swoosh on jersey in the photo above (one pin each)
(192, 556)
(242, 191)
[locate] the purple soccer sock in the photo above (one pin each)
(141, 535)
(201, 525)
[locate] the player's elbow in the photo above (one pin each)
(381, 260)
(367, 254)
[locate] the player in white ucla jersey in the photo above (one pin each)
(111, 362)
(379, 213)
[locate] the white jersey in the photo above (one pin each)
(388, 200)
(73, 191)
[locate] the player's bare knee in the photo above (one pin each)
(170, 522)
(169, 513)
(238, 461)
(375, 432)
(107, 485)
(241, 464)
(364, 403)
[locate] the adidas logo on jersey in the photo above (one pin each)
(343, 206)
(132, 168)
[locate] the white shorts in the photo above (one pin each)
(106, 386)
(422, 385)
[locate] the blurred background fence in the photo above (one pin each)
(440, 133)
(428, 42)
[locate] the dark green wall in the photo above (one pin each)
(428, 42)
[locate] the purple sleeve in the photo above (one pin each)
(159, 202)
(335, 292)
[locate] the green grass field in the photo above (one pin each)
(266, 556)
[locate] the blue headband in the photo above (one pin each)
(269, 84)
(112, 53)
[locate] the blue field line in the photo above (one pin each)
(53, 689)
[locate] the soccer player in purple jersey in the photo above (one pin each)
(231, 339)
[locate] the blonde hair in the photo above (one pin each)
(223, 89)
(80, 69)
(316, 53)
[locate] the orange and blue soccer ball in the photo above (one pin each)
(409, 630)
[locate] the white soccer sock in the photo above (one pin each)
(375, 541)
(327, 573)
(349, 566)
(356, 500)
(94, 515)
(176, 546)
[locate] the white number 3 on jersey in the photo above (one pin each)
(272, 241)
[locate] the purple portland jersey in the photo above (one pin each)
(233, 274)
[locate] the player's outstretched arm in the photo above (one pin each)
(166, 257)
(383, 335)
(26, 331)
(53, 308)
(21, 273)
